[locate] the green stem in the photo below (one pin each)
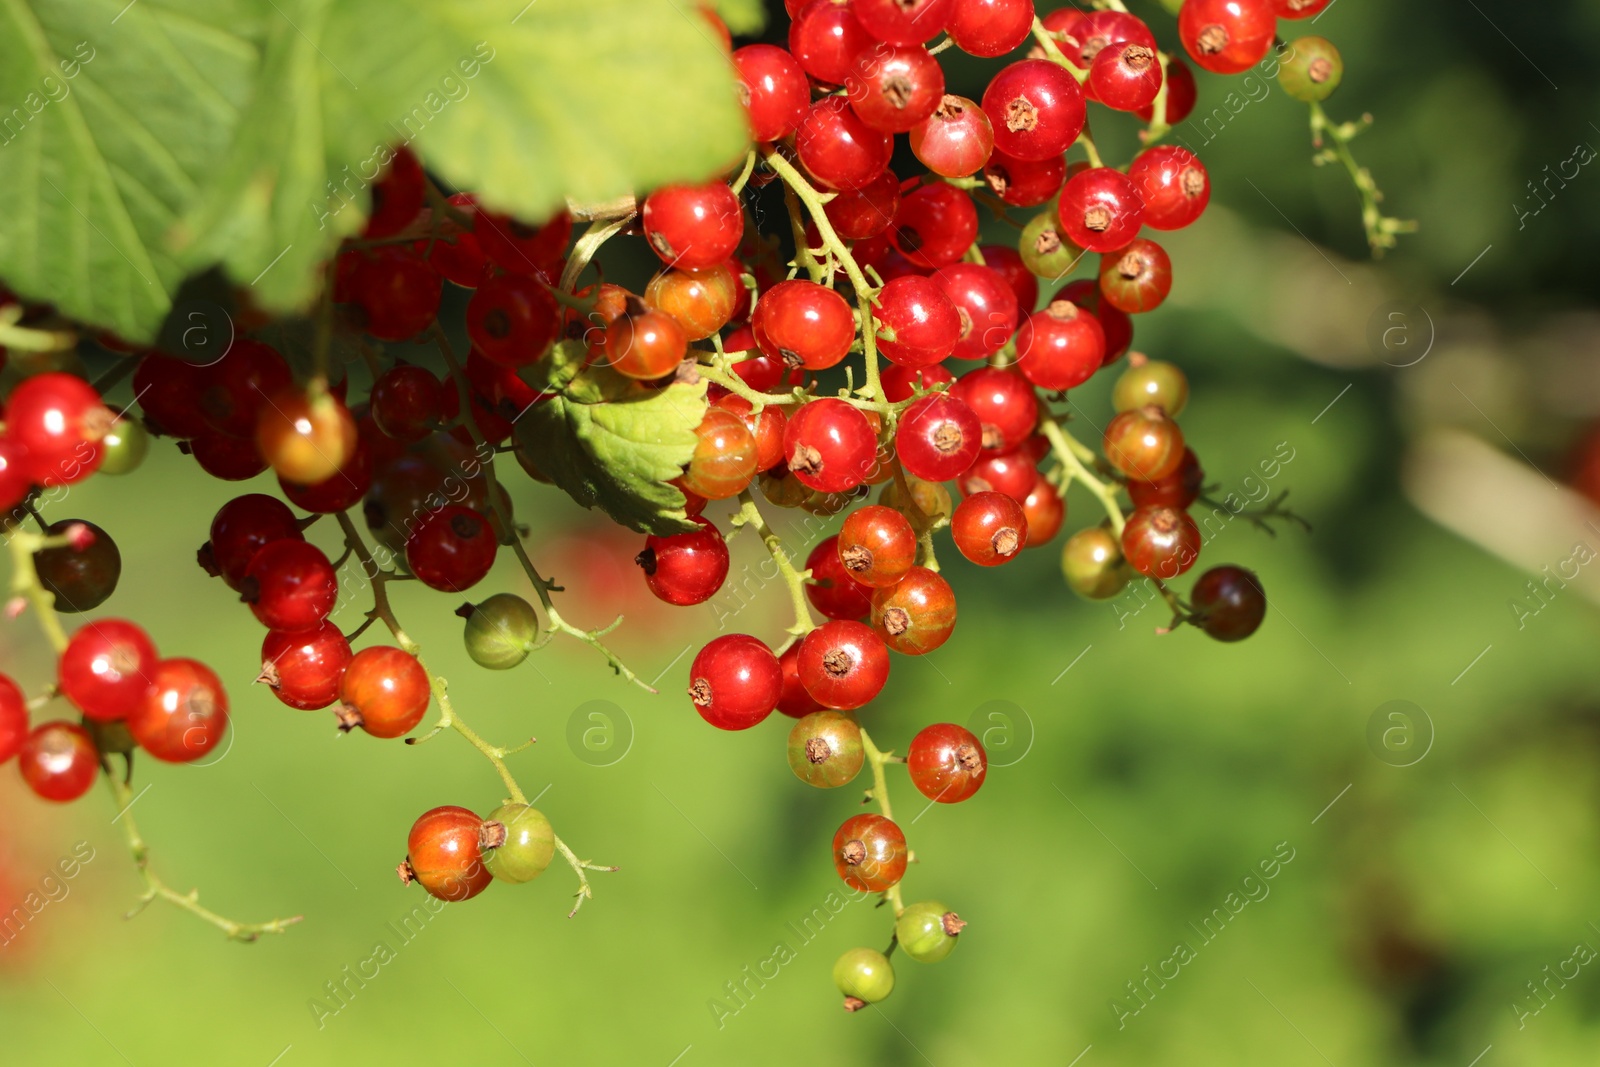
(1067, 450)
(1382, 230)
(880, 792)
(29, 339)
(750, 515)
(1052, 50)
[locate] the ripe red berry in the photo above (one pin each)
(829, 445)
(517, 247)
(838, 149)
(869, 852)
(894, 87)
(1137, 278)
(693, 226)
(1036, 109)
(725, 456)
(1007, 262)
(700, 301)
(512, 319)
(231, 459)
(1012, 473)
(864, 213)
(1144, 443)
(946, 762)
(935, 226)
(184, 712)
(645, 345)
(938, 438)
(1172, 184)
(106, 667)
(901, 383)
(989, 528)
(1100, 209)
(1118, 327)
(1022, 182)
(384, 691)
(451, 549)
(1005, 405)
(1182, 92)
(990, 28)
(831, 589)
(773, 87)
(443, 854)
(903, 21)
(1299, 9)
(877, 545)
(1178, 490)
(290, 586)
(843, 664)
(235, 388)
(1125, 76)
(305, 437)
(735, 682)
(242, 527)
(13, 718)
(956, 140)
(918, 323)
(15, 481)
(305, 669)
(1160, 542)
(56, 421)
(795, 701)
(1229, 603)
(1060, 347)
(985, 304)
(58, 761)
(686, 568)
(1092, 32)
(397, 196)
(407, 402)
(1046, 511)
(803, 324)
(1227, 36)
(457, 255)
(169, 394)
(397, 290)
(917, 615)
(825, 38)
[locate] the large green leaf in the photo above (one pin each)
(744, 17)
(611, 443)
(112, 118)
(526, 103)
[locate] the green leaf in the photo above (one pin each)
(525, 103)
(112, 119)
(610, 442)
(745, 18)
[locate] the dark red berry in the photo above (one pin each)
(831, 589)
(242, 527)
(512, 319)
(686, 568)
(1160, 542)
(735, 682)
(1036, 109)
(829, 445)
(305, 669)
(397, 196)
(1229, 603)
(1178, 490)
(290, 586)
(407, 402)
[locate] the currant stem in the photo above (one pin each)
(1067, 450)
(1053, 52)
(1382, 230)
(29, 339)
(750, 515)
(880, 792)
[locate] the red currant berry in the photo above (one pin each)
(1025, 183)
(767, 428)
(1011, 473)
(1125, 76)
(829, 445)
(58, 761)
(236, 387)
(1004, 402)
(1060, 347)
(985, 304)
(843, 664)
(864, 213)
(231, 459)
(1137, 278)
(773, 88)
(903, 21)
(894, 87)
(1160, 542)
(686, 568)
(1091, 32)
(242, 527)
(838, 149)
(13, 718)
(407, 402)
(1178, 490)
(15, 481)
(1100, 209)
(725, 456)
(1144, 443)
(1007, 262)
(795, 701)
(397, 196)
(456, 254)
(304, 669)
(1182, 92)
(306, 437)
(1299, 9)
(902, 383)
(1173, 186)
(1046, 511)
(184, 713)
(443, 854)
(869, 852)
(290, 586)
(1036, 108)
(1229, 603)
(398, 291)
(936, 225)
(339, 491)
(917, 615)
(520, 248)
(169, 394)
(938, 438)
(106, 668)
(384, 691)
(693, 227)
(877, 545)
(918, 324)
(825, 749)
(1227, 36)
(701, 301)
(451, 549)
(512, 319)
(956, 140)
(825, 38)
(735, 682)
(57, 421)
(990, 28)
(803, 324)
(989, 528)
(645, 346)
(831, 590)
(1118, 327)
(81, 574)
(946, 763)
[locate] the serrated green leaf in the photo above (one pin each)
(526, 103)
(611, 443)
(112, 119)
(744, 17)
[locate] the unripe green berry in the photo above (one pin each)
(1311, 70)
(864, 976)
(1151, 381)
(1093, 565)
(499, 631)
(1045, 250)
(123, 447)
(517, 843)
(927, 931)
(931, 498)
(825, 749)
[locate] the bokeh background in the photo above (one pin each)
(1445, 850)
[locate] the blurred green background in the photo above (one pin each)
(1437, 877)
